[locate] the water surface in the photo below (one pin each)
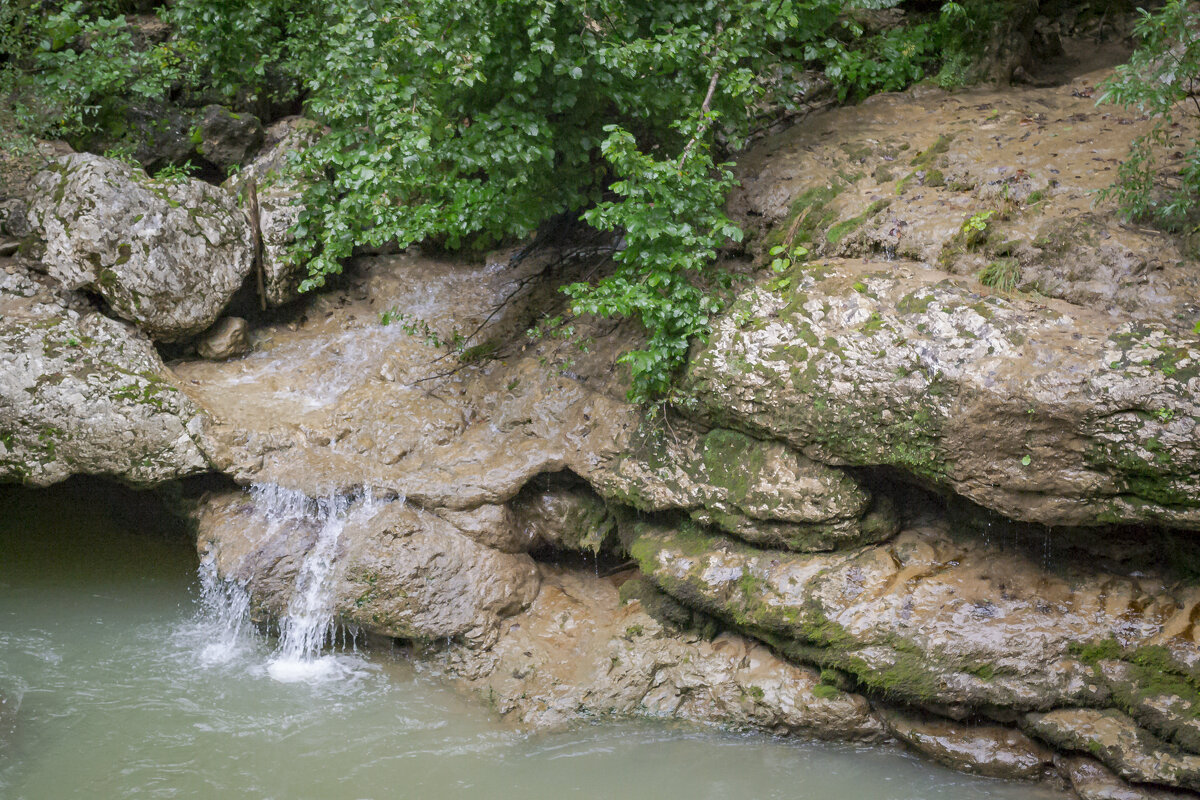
(115, 684)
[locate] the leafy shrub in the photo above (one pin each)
(1161, 80)
(61, 69)
(468, 123)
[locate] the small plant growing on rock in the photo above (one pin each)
(176, 173)
(1161, 80)
(975, 229)
(1003, 275)
(782, 260)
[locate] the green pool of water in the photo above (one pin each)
(111, 686)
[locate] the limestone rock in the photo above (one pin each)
(227, 138)
(579, 650)
(279, 203)
(947, 620)
(226, 339)
(1093, 781)
(81, 393)
(763, 492)
(1116, 740)
(167, 256)
(992, 750)
(408, 576)
(1042, 411)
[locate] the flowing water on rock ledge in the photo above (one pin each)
(115, 682)
(308, 624)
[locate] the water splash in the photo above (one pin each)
(225, 610)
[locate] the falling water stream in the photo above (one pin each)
(308, 623)
(124, 673)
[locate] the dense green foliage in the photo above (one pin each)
(1162, 80)
(467, 123)
(63, 68)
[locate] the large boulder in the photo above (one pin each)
(1040, 410)
(400, 571)
(81, 393)
(167, 255)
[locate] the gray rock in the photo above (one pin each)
(993, 750)
(227, 138)
(763, 492)
(279, 202)
(1042, 411)
(226, 339)
(14, 218)
(81, 393)
(167, 256)
(155, 133)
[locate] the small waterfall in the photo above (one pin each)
(225, 608)
(308, 624)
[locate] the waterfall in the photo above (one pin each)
(308, 623)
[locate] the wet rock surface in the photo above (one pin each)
(1116, 740)
(992, 750)
(81, 393)
(965, 626)
(345, 401)
(166, 255)
(580, 650)
(1092, 781)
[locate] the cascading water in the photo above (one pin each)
(225, 609)
(308, 623)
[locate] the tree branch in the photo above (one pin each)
(704, 119)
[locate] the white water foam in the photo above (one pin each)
(307, 626)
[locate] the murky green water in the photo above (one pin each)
(111, 688)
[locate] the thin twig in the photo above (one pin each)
(256, 243)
